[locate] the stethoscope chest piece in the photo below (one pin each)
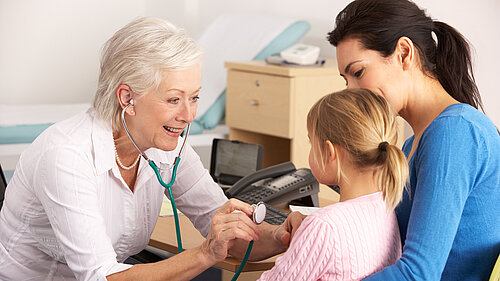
(259, 212)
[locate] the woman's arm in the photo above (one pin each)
(197, 196)
(445, 167)
(273, 240)
(225, 228)
(192, 262)
(184, 266)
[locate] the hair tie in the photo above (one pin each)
(383, 146)
(434, 29)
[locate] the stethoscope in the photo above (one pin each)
(157, 172)
(259, 209)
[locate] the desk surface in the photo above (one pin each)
(164, 238)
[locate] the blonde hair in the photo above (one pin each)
(135, 56)
(365, 126)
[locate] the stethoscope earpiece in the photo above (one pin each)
(131, 101)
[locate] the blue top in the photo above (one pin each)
(450, 219)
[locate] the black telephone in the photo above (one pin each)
(277, 184)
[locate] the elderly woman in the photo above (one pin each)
(82, 200)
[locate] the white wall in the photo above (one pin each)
(49, 49)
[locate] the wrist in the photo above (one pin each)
(206, 256)
(278, 233)
(274, 234)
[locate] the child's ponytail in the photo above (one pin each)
(394, 173)
(365, 126)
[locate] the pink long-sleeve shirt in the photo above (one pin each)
(344, 241)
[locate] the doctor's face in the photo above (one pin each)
(162, 114)
(364, 68)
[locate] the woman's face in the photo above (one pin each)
(363, 68)
(161, 115)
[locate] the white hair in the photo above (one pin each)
(135, 56)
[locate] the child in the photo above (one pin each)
(353, 135)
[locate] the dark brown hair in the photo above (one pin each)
(380, 24)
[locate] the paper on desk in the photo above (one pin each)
(303, 209)
(166, 209)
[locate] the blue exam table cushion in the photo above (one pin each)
(214, 115)
(21, 133)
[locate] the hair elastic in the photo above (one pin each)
(383, 146)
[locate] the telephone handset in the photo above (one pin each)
(269, 172)
(277, 184)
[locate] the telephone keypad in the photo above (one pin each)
(255, 195)
(285, 181)
(277, 187)
(274, 216)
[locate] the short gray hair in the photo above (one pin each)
(135, 56)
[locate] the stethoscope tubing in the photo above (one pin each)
(171, 195)
(158, 176)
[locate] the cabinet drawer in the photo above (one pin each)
(259, 103)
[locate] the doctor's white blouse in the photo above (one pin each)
(68, 213)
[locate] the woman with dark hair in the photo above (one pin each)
(449, 219)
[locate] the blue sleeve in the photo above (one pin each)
(446, 163)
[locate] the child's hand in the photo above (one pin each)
(287, 230)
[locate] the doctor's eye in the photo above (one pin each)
(174, 100)
(195, 99)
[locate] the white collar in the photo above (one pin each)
(103, 145)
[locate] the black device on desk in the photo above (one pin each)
(277, 184)
(232, 160)
(236, 167)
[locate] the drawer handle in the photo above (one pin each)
(257, 83)
(254, 102)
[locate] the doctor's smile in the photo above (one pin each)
(173, 130)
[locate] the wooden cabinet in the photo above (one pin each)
(268, 104)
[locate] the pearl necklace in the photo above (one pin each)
(123, 166)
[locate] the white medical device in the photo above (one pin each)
(259, 212)
(301, 54)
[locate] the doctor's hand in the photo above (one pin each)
(227, 226)
(285, 232)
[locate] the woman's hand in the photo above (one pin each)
(227, 226)
(285, 232)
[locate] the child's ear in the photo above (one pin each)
(331, 152)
